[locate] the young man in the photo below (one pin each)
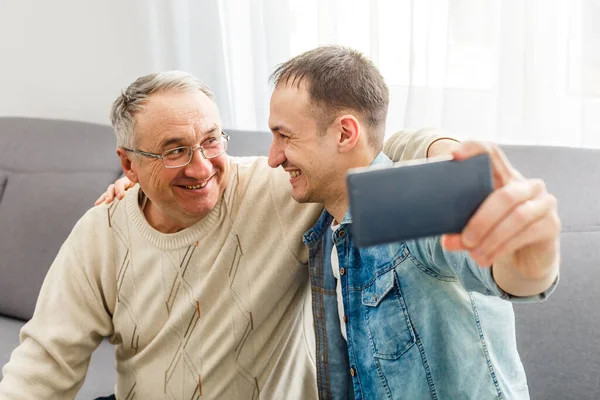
(427, 318)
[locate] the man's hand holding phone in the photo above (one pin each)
(516, 229)
(480, 204)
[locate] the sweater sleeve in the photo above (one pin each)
(408, 145)
(68, 324)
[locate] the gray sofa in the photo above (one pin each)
(52, 171)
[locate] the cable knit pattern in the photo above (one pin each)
(213, 311)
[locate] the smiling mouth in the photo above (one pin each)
(295, 174)
(196, 187)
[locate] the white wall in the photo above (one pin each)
(69, 58)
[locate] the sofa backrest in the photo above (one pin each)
(51, 172)
(557, 338)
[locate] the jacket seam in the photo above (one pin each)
(383, 379)
(490, 365)
(321, 345)
(425, 363)
(424, 268)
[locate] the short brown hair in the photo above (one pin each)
(340, 78)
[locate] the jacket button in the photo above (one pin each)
(342, 271)
(352, 372)
(345, 318)
(341, 233)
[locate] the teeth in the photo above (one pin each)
(294, 174)
(196, 186)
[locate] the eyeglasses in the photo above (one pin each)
(182, 156)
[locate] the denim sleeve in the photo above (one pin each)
(458, 265)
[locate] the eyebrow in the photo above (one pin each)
(278, 128)
(180, 140)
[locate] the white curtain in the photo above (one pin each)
(510, 71)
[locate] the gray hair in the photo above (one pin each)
(132, 100)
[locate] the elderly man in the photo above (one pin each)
(198, 276)
(422, 319)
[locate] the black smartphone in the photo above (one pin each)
(416, 199)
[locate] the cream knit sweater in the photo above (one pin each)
(214, 311)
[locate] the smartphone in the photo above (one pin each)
(416, 199)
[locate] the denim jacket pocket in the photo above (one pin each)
(388, 323)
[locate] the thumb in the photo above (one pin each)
(452, 242)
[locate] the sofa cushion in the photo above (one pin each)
(557, 339)
(101, 377)
(9, 334)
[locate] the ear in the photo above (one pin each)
(349, 132)
(126, 165)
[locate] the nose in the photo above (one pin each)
(199, 167)
(276, 155)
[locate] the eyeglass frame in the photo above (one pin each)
(193, 151)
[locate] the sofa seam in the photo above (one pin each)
(3, 185)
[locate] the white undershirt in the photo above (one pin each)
(335, 267)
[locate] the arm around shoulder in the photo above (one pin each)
(428, 142)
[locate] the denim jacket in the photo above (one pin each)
(421, 322)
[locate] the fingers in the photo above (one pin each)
(518, 221)
(110, 193)
(100, 199)
(453, 242)
(539, 213)
(502, 171)
(497, 206)
(492, 211)
(116, 189)
(106, 197)
(532, 221)
(505, 213)
(543, 230)
(119, 188)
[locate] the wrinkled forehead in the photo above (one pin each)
(176, 117)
